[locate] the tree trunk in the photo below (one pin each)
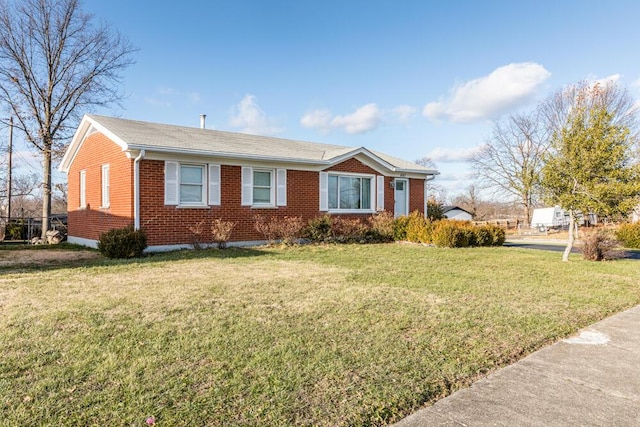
(46, 191)
(572, 236)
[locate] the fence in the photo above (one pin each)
(25, 229)
(507, 224)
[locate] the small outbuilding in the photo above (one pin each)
(456, 212)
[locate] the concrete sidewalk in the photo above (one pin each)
(591, 379)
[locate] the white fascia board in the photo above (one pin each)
(83, 131)
(161, 153)
(346, 156)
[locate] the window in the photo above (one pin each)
(189, 185)
(105, 186)
(192, 184)
(83, 189)
(347, 192)
(262, 187)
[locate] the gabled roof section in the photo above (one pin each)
(132, 135)
(446, 209)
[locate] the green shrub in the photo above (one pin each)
(450, 234)
(489, 235)
(434, 210)
(483, 236)
(629, 235)
(400, 228)
(499, 235)
(419, 228)
(16, 230)
(122, 243)
(319, 229)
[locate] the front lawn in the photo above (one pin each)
(313, 335)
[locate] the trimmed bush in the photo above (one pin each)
(122, 243)
(450, 234)
(319, 229)
(489, 235)
(382, 227)
(400, 228)
(221, 232)
(483, 236)
(599, 246)
(287, 229)
(462, 234)
(419, 228)
(629, 235)
(349, 230)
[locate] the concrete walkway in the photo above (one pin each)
(591, 379)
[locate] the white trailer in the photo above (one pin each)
(549, 218)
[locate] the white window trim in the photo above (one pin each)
(372, 190)
(272, 188)
(83, 189)
(105, 187)
(203, 193)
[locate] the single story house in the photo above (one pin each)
(165, 179)
(456, 212)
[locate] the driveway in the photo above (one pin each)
(559, 247)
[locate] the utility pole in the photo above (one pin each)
(9, 185)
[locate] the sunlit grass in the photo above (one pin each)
(335, 335)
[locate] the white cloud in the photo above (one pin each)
(612, 79)
(403, 113)
(452, 155)
(250, 118)
(317, 119)
(363, 119)
(506, 88)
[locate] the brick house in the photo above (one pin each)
(165, 178)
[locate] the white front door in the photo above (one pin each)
(401, 193)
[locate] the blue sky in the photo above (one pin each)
(409, 78)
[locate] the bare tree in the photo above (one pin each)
(510, 161)
(25, 195)
(55, 65)
(471, 202)
(557, 108)
(435, 191)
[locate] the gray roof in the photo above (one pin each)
(137, 135)
(447, 208)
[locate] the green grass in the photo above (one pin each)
(335, 335)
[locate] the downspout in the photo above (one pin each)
(136, 190)
(426, 198)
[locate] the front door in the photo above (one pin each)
(401, 192)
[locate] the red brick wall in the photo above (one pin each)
(416, 195)
(88, 223)
(169, 225)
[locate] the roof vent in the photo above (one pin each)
(202, 120)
